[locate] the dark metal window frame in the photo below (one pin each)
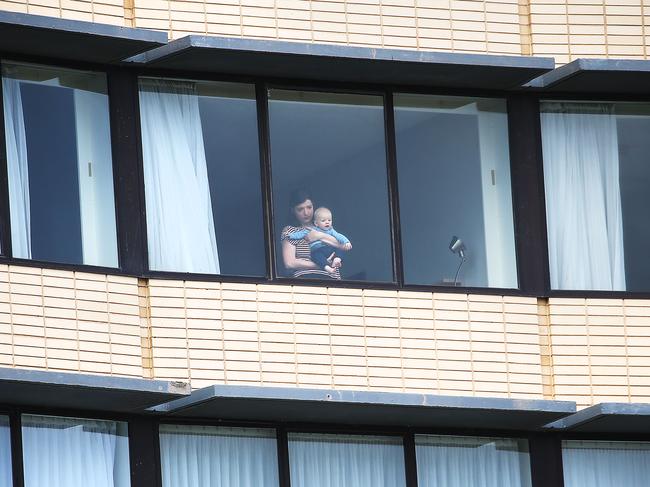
(6, 251)
(527, 181)
(138, 447)
(541, 447)
(544, 447)
(538, 97)
(129, 190)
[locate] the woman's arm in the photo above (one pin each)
(291, 261)
(323, 237)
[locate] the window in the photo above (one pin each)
(454, 191)
(59, 165)
(605, 463)
(74, 452)
(197, 456)
(338, 460)
(328, 151)
(596, 179)
(202, 177)
(5, 453)
(455, 461)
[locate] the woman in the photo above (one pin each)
(295, 253)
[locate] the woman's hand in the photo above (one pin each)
(315, 235)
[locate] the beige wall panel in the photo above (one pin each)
(466, 25)
(69, 321)
(345, 338)
(105, 11)
(566, 29)
(600, 349)
(613, 28)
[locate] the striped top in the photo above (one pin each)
(302, 252)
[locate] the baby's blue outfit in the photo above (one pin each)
(300, 234)
(319, 250)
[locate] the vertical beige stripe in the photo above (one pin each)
(146, 342)
(643, 31)
(545, 349)
(606, 30)
(627, 352)
(129, 13)
(525, 28)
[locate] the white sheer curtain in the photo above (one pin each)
(180, 224)
(345, 461)
(583, 200)
(202, 456)
(68, 452)
(17, 169)
(606, 464)
(446, 461)
(5, 453)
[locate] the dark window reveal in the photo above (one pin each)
(328, 151)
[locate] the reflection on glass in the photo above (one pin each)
(59, 165)
(605, 463)
(330, 193)
(75, 452)
(346, 460)
(5, 453)
(596, 179)
(454, 191)
(202, 177)
(197, 456)
(457, 461)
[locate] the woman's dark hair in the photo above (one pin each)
(299, 196)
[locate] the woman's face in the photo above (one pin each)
(304, 212)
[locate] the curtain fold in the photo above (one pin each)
(202, 456)
(605, 464)
(328, 461)
(66, 452)
(583, 200)
(180, 223)
(471, 462)
(17, 169)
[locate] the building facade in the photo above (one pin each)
(484, 320)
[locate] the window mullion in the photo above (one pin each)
(5, 224)
(391, 157)
(16, 450)
(528, 194)
(127, 169)
(410, 460)
(261, 96)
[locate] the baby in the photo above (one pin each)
(323, 254)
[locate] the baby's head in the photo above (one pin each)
(323, 218)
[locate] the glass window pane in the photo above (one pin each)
(341, 461)
(59, 163)
(75, 452)
(596, 179)
(5, 453)
(328, 151)
(605, 463)
(197, 456)
(454, 191)
(455, 461)
(202, 177)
